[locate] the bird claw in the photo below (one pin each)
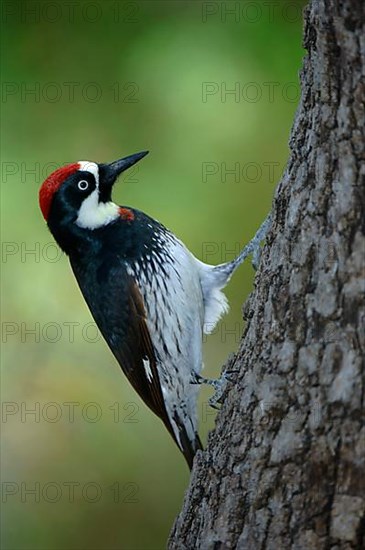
(219, 385)
(215, 403)
(227, 375)
(253, 246)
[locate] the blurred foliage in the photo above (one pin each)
(139, 72)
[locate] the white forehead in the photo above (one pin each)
(92, 167)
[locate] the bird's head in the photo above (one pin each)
(80, 193)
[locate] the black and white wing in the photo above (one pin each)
(119, 311)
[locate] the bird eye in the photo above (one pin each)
(83, 185)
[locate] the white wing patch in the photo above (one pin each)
(94, 214)
(147, 368)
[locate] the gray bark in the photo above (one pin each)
(284, 467)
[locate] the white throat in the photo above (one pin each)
(94, 214)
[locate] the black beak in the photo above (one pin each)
(108, 173)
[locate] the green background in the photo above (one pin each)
(138, 71)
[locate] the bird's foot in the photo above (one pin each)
(254, 245)
(219, 385)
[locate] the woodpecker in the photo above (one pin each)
(150, 297)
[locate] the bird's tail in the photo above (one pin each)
(188, 441)
(189, 448)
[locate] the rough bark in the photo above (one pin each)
(284, 467)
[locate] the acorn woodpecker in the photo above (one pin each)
(150, 297)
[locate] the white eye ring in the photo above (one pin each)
(83, 185)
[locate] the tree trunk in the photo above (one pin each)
(284, 467)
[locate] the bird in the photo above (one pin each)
(150, 297)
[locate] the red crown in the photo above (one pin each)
(52, 184)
